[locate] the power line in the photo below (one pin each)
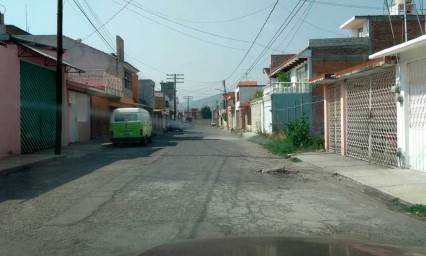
(301, 18)
(93, 25)
(178, 31)
(254, 41)
(112, 17)
(313, 25)
(344, 5)
(217, 21)
(99, 22)
(276, 35)
(139, 6)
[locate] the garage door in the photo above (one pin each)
(334, 117)
(37, 108)
(417, 117)
(371, 119)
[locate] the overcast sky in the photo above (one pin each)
(205, 40)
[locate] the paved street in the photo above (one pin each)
(201, 183)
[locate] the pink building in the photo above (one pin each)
(28, 98)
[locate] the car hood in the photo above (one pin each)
(276, 246)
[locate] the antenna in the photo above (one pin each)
(26, 19)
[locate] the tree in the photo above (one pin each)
(283, 77)
(257, 95)
(206, 112)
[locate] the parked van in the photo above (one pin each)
(131, 124)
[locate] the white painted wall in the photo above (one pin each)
(267, 115)
(412, 142)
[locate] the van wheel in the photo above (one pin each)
(150, 139)
(143, 141)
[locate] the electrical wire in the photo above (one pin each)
(313, 25)
(418, 19)
(99, 22)
(344, 5)
(390, 21)
(178, 31)
(93, 25)
(110, 19)
(254, 41)
(218, 21)
(280, 30)
(139, 6)
(301, 18)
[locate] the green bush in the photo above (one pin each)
(298, 131)
(317, 142)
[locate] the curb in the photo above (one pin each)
(375, 193)
(24, 167)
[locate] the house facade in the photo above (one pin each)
(146, 93)
(409, 94)
(244, 92)
(108, 82)
(28, 98)
(289, 90)
(361, 109)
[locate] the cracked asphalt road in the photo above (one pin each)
(202, 183)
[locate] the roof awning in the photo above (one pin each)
(48, 59)
(288, 64)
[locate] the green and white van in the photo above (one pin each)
(131, 124)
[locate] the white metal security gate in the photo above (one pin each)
(371, 119)
(334, 119)
(417, 118)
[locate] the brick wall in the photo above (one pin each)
(381, 33)
(332, 58)
(320, 67)
(278, 59)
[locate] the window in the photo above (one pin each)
(127, 80)
(126, 117)
(238, 96)
(360, 32)
(301, 74)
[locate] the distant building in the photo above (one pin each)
(146, 93)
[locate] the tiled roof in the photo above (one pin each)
(247, 83)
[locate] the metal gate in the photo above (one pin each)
(334, 119)
(371, 119)
(37, 108)
(417, 118)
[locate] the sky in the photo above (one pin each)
(204, 40)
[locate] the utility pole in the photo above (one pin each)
(175, 78)
(58, 128)
(226, 104)
(217, 113)
(188, 98)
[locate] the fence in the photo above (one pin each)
(292, 106)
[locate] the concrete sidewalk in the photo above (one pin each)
(405, 184)
(15, 163)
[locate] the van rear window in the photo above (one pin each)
(126, 117)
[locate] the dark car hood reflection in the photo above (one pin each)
(273, 246)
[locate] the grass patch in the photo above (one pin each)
(295, 160)
(418, 210)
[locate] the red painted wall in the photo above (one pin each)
(10, 135)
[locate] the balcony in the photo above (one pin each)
(101, 80)
(287, 87)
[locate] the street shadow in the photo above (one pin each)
(37, 180)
